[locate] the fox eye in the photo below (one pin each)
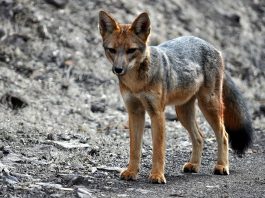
(131, 50)
(111, 50)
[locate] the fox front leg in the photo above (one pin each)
(158, 138)
(136, 126)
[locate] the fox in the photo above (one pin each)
(181, 72)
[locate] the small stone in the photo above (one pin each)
(83, 192)
(122, 195)
(93, 169)
(97, 107)
(65, 137)
(79, 180)
(215, 186)
(94, 151)
(2, 33)
(110, 169)
(58, 3)
(262, 109)
(43, 32)
(9, 178)
(143, 191)
(83, 140)
(1, 154)
(68, 145)
(51, 136)
(6, 150)
(171, 116)
(12, 101)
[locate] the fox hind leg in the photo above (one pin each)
(186, 116)
(212, 107)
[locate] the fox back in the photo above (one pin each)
(184, 63)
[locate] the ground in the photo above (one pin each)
(63, 123)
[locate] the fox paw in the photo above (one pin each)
(191, 168)
(128, 175)
(157, 178)
(221, 170)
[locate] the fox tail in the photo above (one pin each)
(237, 120)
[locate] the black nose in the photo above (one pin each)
(118, 70)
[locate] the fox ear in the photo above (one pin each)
(141, 26)
(106, 23)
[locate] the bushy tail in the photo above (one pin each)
(237, 120)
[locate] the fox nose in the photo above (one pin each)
(118, 70)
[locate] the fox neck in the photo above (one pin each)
(137, 78)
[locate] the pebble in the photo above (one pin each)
(1, 154)
(122, 195)
(12, 101)
(83, 140)
(65, 137)
(97, 107)
(2, 33)
(43, 32)
(68, 145)
(171, 116)
(51, 136)
(94, 151)
(83, 193)
(110, 169)
(80, 180)
(9, 178)
(58, 3)
(6, 150)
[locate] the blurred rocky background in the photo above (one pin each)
(62, 121)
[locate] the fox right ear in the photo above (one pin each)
(106, 23)
(141, 26)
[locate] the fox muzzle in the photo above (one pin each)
(118, 70)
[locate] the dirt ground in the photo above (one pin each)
(62, 121)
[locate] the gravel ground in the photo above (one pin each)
(63, 126)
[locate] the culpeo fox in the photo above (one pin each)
(178, 72)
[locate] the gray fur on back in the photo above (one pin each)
(181, 62)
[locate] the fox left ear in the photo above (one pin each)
(141, 26)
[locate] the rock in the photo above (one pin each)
(22, 176)
(171, 116)
(143, 191)
(65, 137)
(262, 109)
(1, 154)
(122, 195)
(98, 107)
(22, 69)
(43, 32)
(94, 151)
(12, 101)
(93, 169)
(2, 33)
(215, 186)
(79, 180)
(83, 140)
(110, 169)
(54, 186)
(51, 136)
(6, 150)
(58, 3)
(9, 178)
(82, 192)
(73, 144)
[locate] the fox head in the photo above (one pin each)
(124, 44)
